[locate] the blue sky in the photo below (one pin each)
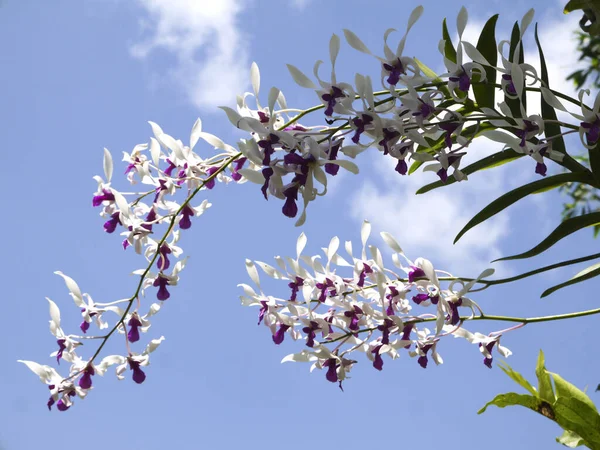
(82, 75)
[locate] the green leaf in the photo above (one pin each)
(594, 5)
(513, 103)
(495, 160)
(585, 274)
(431, 74)
(574, 415)
(448, 47)
(550, 128)
(566, 228)
(517, 194)
(573, 5)
(512, 399)
(594, 154)
(566, 389)
(518, 378)
(485, 93)
(570, 439)
(544, 384)
(543, 269)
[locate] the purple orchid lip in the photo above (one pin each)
(331, 374)
(162, 283)
(105, 196)
(138, 374)
(280, 334)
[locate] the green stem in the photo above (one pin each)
(521, 320)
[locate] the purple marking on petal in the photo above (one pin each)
(237, 165)
(406, 333)
(211, 184)
(163, 293)
(333, 169)
(331, 98)
(378, 362)
(443, 174)
(134, 333)
(541, 169)
(85, 382)
(401, 167)
(84, 326)
(510, 87)
(331, 374)
(138, 374)
(61, 405)
(295, 286)
(290, 209)
(168, 171)
(420, 298)
(280, 334)
(185, 222)
(423, 361)
(61, 348)
(50, 403)
(454, 316)
(415, 273)
(267, 173)
(163, 259)
(310, 331)
(111, 225)
(261, 314)
(105, 196)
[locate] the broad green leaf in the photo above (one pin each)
(565, 389)
(570, 439)
(517, 194)
(495, 160)
(513, 399)
(431, 74)
(574, 415)
(485, 93)
(585, 274)
(448, 47)
(518, 378)
(550, 128)
(544, 383)
(566, 228)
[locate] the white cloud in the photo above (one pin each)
(300, 4)
(426, 224)
(211, 58)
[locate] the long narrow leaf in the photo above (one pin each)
(485, 93)
(513, 103)
(495, 160)
(448, 47)
(517, 194)
(566, 228)
(551, 129)
(431, 74)
(585, 274)
(594, 154)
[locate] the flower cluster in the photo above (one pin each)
(168, 167)
(373, 309)
(418, 117)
